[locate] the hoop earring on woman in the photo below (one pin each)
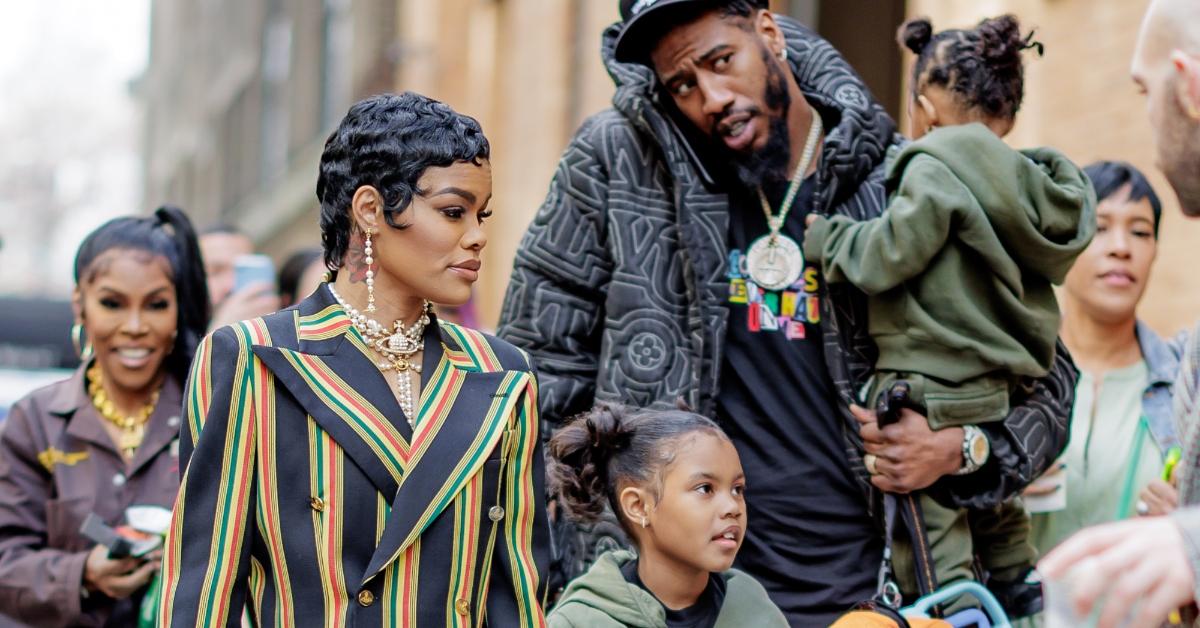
(370, 260)
(83, 346)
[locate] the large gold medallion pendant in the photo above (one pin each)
(775, 262)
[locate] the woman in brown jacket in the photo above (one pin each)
(107, 438)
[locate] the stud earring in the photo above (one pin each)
(370, 260)
(643, 523)
(783, 55)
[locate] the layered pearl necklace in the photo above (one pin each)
(397, 346)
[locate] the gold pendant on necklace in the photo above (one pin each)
(131, 438)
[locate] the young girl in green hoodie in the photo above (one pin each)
(675, 482)
(959, 274)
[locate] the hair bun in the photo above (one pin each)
(582, 451)
(915, 34)
(1000, 40)
(607, 430)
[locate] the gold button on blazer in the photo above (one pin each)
(307, 497)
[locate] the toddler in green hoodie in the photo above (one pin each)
(675, 482)
(959, 272)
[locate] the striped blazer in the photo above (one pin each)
(308, 499)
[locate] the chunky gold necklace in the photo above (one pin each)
(133, 427)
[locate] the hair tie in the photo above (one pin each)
(1028, 43)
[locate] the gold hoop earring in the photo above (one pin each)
(370, 260)
(79, 340)
(1193, 111)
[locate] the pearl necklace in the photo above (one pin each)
(397, 348)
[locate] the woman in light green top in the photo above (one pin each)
(1121, 426)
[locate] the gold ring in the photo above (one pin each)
(869, 461)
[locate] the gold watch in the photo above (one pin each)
(975, 450)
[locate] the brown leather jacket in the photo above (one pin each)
(57, 464)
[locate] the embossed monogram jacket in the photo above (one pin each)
(619, 286)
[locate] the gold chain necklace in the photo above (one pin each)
(133, 427)
(776, 261)
(397, 348)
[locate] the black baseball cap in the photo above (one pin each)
(640, 19)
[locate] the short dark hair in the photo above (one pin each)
(981, 66)
(1108, 177)
(609, 446)
(167, 234)
(388, 141)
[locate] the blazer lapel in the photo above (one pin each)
(336, 383)
(464, 414)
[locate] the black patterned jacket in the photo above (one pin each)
(619, 286)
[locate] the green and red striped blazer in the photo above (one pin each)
(309, 501)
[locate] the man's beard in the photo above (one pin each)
(1179, 152)
(770, 162)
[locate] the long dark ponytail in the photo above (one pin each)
(167, 233)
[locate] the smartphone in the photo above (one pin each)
(252, 269)
(121, 543)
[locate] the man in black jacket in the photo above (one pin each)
(660, 267)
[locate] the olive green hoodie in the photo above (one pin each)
(602, 598)
(959, 268)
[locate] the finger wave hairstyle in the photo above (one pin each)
(388, 141)
(611, 447)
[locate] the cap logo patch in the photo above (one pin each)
(641, 5)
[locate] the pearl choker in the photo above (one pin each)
(397, 346)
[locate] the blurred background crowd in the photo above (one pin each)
(221, 107)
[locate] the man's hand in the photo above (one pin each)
(908, 455)
(250, 302)
(1140, 562)
(1160, 498)
(1048, 483)
(117, 578)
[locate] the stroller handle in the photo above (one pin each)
(993, 609)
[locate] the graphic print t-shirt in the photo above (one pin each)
(810, 541)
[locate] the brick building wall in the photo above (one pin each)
(530, 72)
(1080, 99)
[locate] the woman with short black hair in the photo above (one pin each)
(353, 460)
(1121, 424)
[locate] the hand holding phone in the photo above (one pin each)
(122, 541)
(249, 270)
(116, 578)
